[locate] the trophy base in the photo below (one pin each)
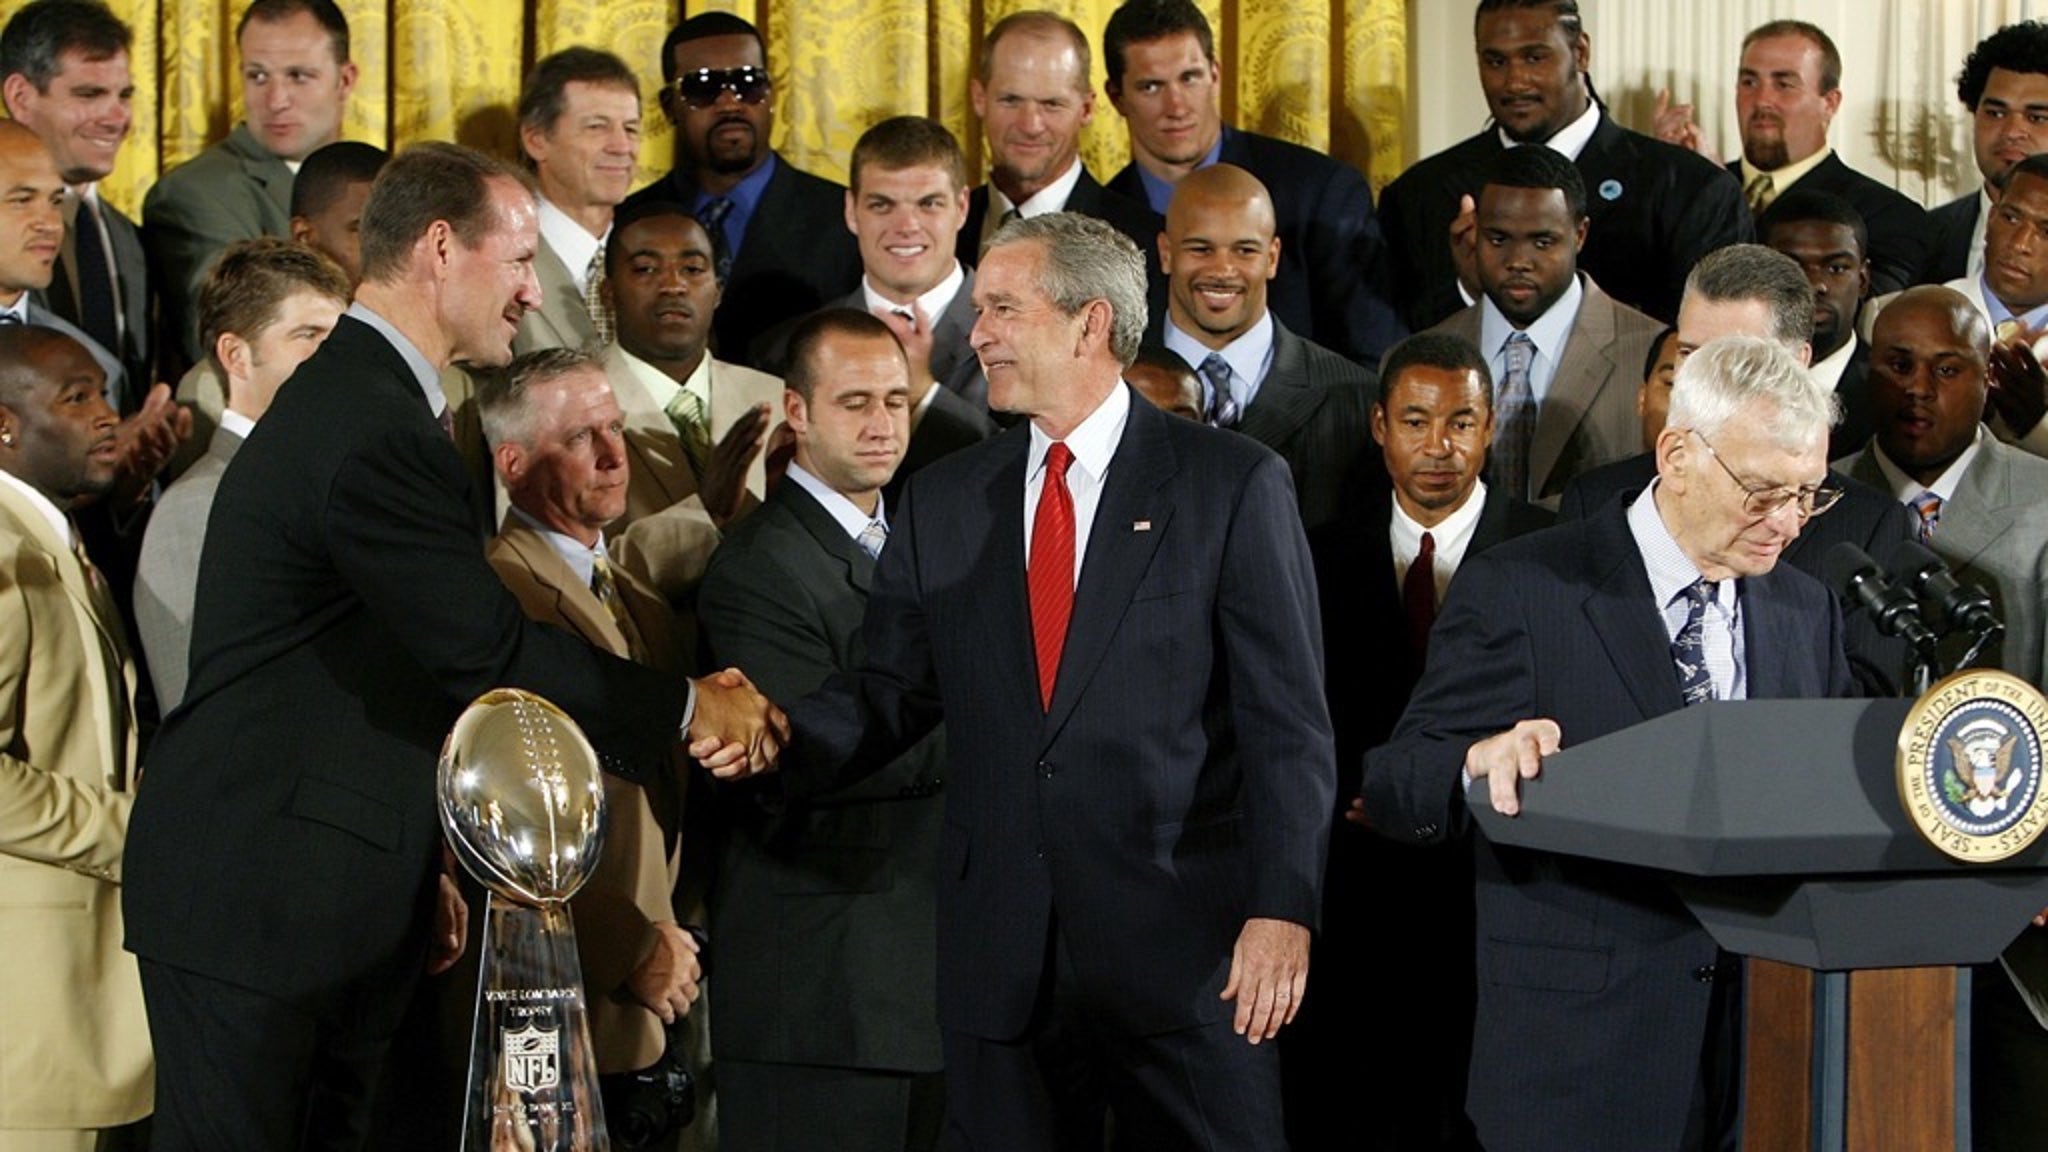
(532, 1081)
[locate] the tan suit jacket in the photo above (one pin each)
(76, 1050)
(563, 319)
(1588, 416)
(634, 884)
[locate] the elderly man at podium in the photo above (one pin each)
(1567, 635)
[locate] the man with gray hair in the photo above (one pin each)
(1131, 864)
(1595, 626)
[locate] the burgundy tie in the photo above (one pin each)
(1051, 570)
(1418, 593)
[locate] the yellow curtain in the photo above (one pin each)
(1331, 74)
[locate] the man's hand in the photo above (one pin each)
(2019, 387)
(1465, 245)
(1676, 124)
(1505, 759)
(666, 983)
(724, 484)
(914, 332)
(1268, 974)
(737, 732)
(451, 926)
(146, 441)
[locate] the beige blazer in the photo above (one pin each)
(563, 319)
(635, 880)
(74, 1044)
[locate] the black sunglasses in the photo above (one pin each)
(701, 88)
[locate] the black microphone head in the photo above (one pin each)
(1911, 556)
(1845, 563)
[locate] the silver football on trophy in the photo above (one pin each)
(522, 798)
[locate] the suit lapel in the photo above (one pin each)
(949, 332)
(846, 553)
(1982, 511)
(1620, 612)
(1287, 398)
(1770, 627)
(575, 604)
(1002, 569)
(100, 630)
(562, 312)
(1583, 369)
(650, 439)
(1119, 552)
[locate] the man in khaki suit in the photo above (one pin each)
(75, 1061)
(557, 443)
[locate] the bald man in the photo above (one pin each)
(1307, 403)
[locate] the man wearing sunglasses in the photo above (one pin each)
(782, 247)
(1568, 635)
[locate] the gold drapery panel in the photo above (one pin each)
(1331, 74)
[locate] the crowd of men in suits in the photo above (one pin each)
(998, 756)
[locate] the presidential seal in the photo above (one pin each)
(1970, 764)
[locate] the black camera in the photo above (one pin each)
(640, 1108)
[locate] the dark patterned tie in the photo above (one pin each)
(712, 216)
(1927, 507)
(97, 309)
(593, 298)
(1050, 573)
(1514, 418)
(1418, 595)
(1223, 411)
(1689, 650)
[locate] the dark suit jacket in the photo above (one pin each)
(1865, 517)
(822, 916)
(1858, 421)
(132, 267)
(797, 254)
(1333, 284)
(1128, 810)
(1951, 228)
(953, 362)
(1597, 959)
(1133, 218)
(345, 617)
(949, 425)
(1314, 409)
(1897, 225)
(1655, 210)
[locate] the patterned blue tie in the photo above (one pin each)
(1514, 418)
(1222, 405)
(712, 216)
(1689, 650)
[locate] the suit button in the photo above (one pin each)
(1704, 973)
(1045, 770)
(1426, 831)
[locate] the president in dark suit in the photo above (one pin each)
(822, 916)
(1220, 251)
(1654, 209)
(345, 616)
(1333, 284)
(1114, 612)
(1395, 916)
(1568, 635)
(782, 248)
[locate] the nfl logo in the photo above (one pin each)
(531, 1059)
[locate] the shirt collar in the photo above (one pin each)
(571, 242)
(19, 309)
(1783, 178)
(1828, 372)
(235, 422)
(1907, 489)
(661, 387)
(1159, 193)
(844, 512)
(932, 304)
(1450, 532)
(1569, 140)
(1670, 570)
(745, 195)
(424, 373)
(581, 560)
(1995, 310)
(1050, 198)
(1547, 332)
(59, 522)
(1250, 356)
(1093, 441)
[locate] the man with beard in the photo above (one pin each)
(781, 250)
(1654, 211)
(2004, 84)
(1563, 353)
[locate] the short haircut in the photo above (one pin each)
(633, 212)
(1538, 168)
(325, 12)
(36, 40)
(1716, 383)
(1830, 57)
(331, 170)
(2035, 166)
(1810, 205)
(1431, 349)
(19, 374)
(1086, 259)
(1742, 272)
(804, 371)
(1035, 21)
(429, 182)
(248, 285)
(1143, 21)
(908, 142)
(2021, 47)
(503, 395)
(703, 26)
(1656, 351)
(542, 99)
(1566, 13)
(1160, 360)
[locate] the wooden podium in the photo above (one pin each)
(1780, 825)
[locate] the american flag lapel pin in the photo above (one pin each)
(1141, 525)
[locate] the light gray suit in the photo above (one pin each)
(1588, 417)
(563, 320)
(1994, 534)
(167, 572)
(235, 190)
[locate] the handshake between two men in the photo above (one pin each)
(735, 731)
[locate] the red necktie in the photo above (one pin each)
(1051, 571)
(1418, 593)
